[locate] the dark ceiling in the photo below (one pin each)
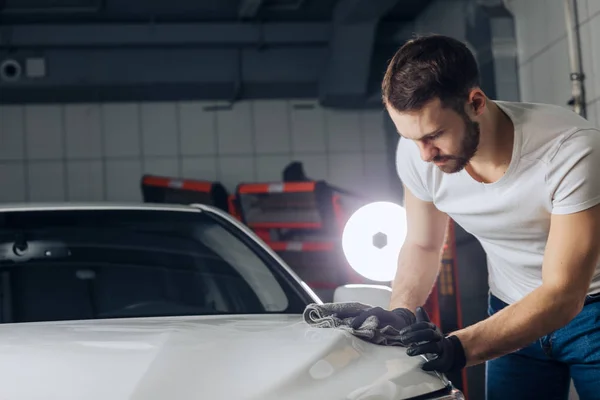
(334, 50)
(59, 11)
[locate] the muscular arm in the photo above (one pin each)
(570, 259)
(419, 259)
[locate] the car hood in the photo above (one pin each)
(241, 357)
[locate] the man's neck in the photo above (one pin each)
(495, 145)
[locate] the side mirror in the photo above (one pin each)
(373, 295)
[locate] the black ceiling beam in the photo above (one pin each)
(16, 7)
(121, 35)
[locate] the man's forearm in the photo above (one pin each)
(417, 271)
(518, 325)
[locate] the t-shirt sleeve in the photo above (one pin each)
(408, 171)
(573, 173)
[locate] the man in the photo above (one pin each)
(524, 179)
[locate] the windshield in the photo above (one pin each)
(87, 264)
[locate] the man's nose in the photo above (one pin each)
(428, 152)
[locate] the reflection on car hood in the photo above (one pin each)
(233, 358)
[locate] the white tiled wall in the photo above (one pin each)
(543, 52)
(96, 152)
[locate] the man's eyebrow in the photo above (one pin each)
(427, 135)
(436, 132)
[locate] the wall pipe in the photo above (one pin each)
(577, 100)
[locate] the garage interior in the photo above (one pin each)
(190, 101)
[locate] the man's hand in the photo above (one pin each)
(398, 318)
(423, 337)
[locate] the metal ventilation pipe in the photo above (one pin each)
(574, 43)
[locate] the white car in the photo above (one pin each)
(140, 301)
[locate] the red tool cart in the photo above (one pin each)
(302, 222)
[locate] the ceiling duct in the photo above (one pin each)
(345, 83)
(249, 8)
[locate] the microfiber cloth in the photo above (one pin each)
(341, 315)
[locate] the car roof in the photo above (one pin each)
(68, 206)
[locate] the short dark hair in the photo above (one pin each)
(429, 67)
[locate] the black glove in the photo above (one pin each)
(423, 337)
(398, 318)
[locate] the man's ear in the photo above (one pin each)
(477, 102)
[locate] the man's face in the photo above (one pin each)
(444, 136)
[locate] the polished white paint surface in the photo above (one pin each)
(246, 357)
(373, 295)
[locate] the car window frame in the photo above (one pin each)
(274, 265)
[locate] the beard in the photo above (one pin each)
(469, 144)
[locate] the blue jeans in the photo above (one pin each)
(544, 369)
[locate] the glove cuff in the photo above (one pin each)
(406, 314)
(460, 359)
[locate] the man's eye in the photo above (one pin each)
(431, 137)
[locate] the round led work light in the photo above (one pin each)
(372, 239)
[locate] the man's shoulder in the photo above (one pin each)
(544, 128)
(575, 144)
(543, 119)
(571, 171)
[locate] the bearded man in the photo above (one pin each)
(522, 178)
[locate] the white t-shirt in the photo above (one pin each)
(555, 169)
